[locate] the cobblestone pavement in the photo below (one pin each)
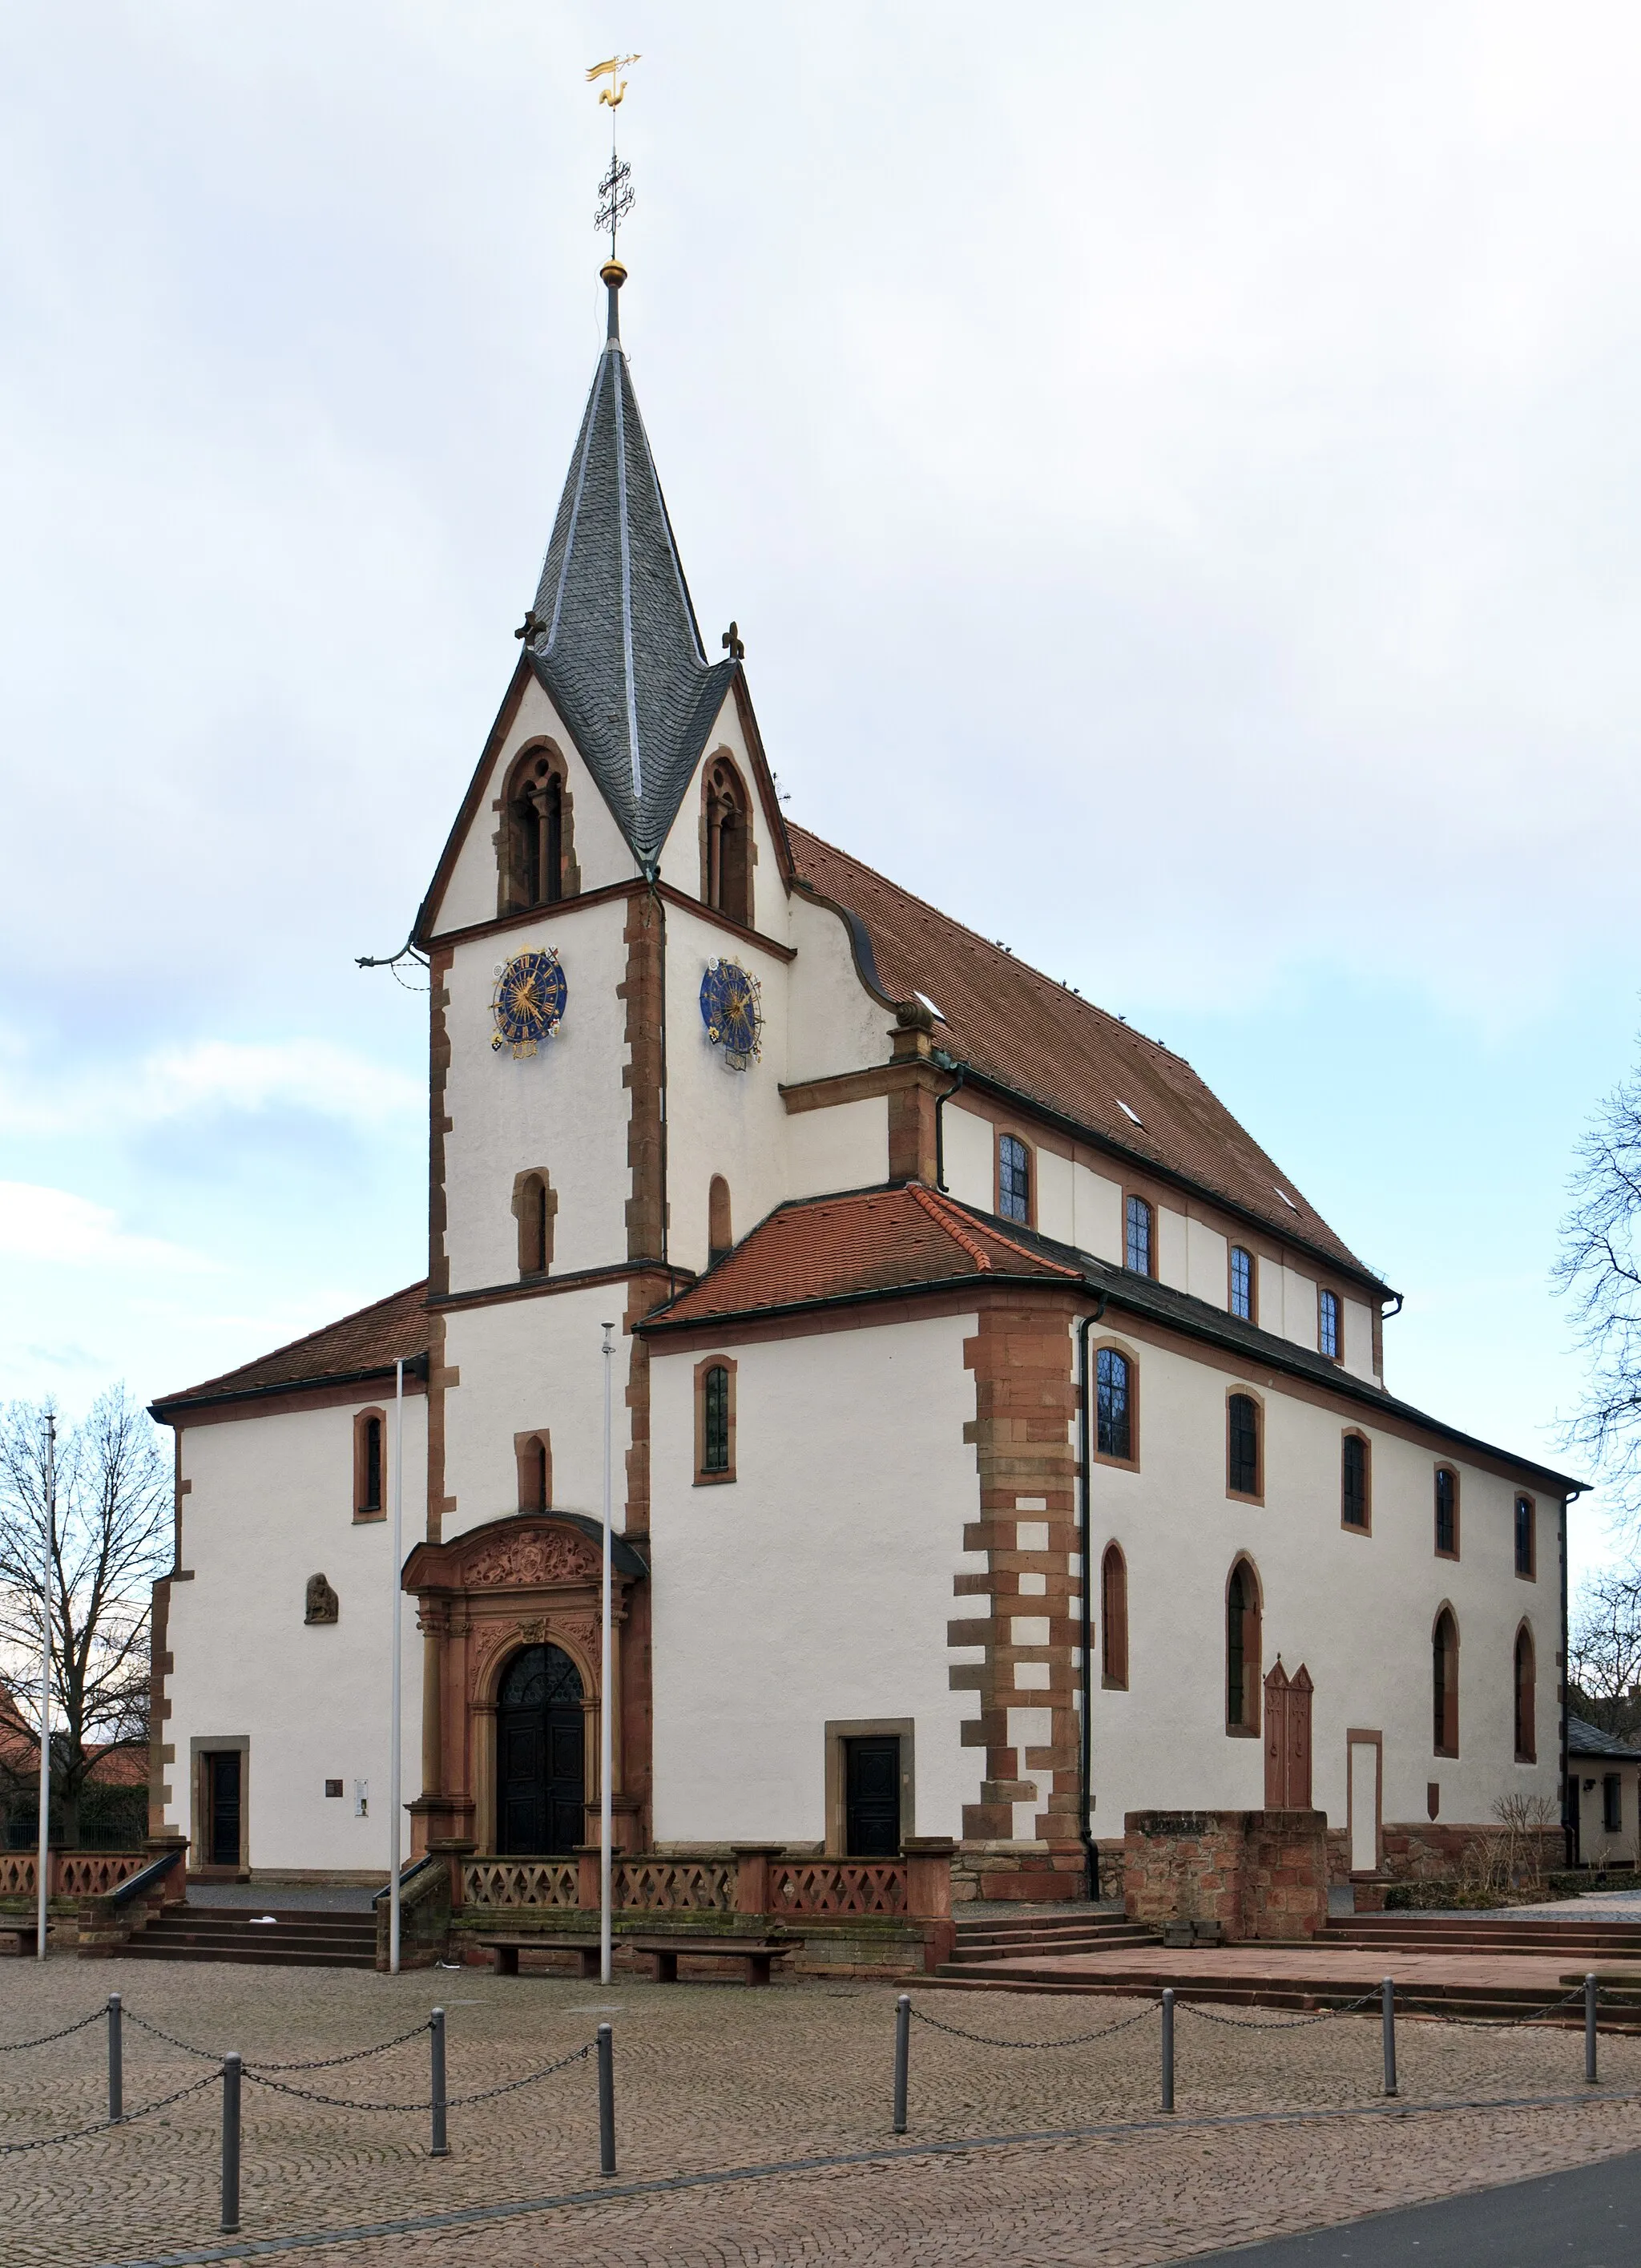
(711, 2078)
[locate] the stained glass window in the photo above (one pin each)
(715, 1420)
(1328, 1325)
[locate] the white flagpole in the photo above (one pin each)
(396, 1712)
(42, 1865)
(606, 1706)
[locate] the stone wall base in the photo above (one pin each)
(1235, 1874)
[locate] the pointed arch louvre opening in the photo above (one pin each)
(726, 844)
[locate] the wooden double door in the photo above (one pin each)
(1288, 1740)
(541, 1771)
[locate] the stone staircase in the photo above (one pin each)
(292, 1940)
(1460, 1933)
(984, 1943)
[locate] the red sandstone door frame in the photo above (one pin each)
(1365, 1790)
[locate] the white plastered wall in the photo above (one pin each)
(270, 1504)
(815, 1587)
(1359, 1610)
(969, 1143)
(843, 1147)
(836, 1024)
(525, 1364)
(602, 854)
(1208, 1264)
(718, 1119)
(564, 1108)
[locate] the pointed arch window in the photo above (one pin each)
(1243, 1648)
(1114, 1620)
(1328, 1325)
(1242, 1283)
(1355, 1507)
(1138, 1237)
(537, 865)
(1527, 1698)
(369, 1465)
(1244, 1474)
(534, 1455)
(714, 1420)
(534, 1203)
(726, 848)
(1444, 1684)
(1115, 1399)
(1013, 1179)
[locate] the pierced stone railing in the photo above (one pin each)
(71, 1873)
(536, 1882)
(674, 1885)
(837, 1886)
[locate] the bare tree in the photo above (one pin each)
(1604, 1651)
(110, 1537)
(1600, 1267)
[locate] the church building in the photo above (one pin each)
(1002, 1438)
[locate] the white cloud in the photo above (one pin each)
(54, 1225)
(214, 1075)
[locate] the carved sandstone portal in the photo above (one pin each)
(527, 1580)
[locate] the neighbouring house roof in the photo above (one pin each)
(19, 1752)
(1587, 1739)
(615, 641)
(815, 1252)
(362, 1344)
(1015, 1026)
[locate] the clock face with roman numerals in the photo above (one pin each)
(732, 1009)
(528, 1003)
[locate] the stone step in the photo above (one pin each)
(270, 1956)
(1500, 2003)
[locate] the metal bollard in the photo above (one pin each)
(1590, 1991)
(441, 2147)
(902, 2057)
(116, 2063)
(606, 2100)
(1387, 2024)
(1168, 2048)
(232, 2067)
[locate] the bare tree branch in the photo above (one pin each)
(1600, 1271)
(109, 1538)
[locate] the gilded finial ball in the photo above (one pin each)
(612, 274)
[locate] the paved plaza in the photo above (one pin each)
(718, 2082)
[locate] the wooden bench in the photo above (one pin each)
(755, 1953)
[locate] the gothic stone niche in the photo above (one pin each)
(323, 1605)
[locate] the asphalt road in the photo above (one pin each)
(1587, 2218)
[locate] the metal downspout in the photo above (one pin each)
(940, 1102)
(1568, 1815)
(1086, 1750)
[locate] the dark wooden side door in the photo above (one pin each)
(222, 1807)
(540, 1780)
(872, 1767)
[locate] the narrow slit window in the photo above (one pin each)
(1354, 1482)
(715, 1420)
(1447, 1512)
(1013, 1179)
(371, 1465)
(1114, 1436)
(720, 1237)
(1243, 1651)
(1444, 1684)
(1241, 1283)
(1114, 1620)
(533, 1475)
(1137, 1241)
(1328, 1325)
(1526, 1731)
(1525, 1539)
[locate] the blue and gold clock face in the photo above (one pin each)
(732, 1009)
(529, 1004)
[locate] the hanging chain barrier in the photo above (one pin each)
(318, 2063)
(78, 2133)
(15, 2047)
(1076, 2040)
(1277, 2023)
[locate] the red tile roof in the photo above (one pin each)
(372, 1338)
(873, 1240)
(1020, 1027)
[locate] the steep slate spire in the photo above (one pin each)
(617, 644)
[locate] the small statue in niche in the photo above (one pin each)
(323, 1605)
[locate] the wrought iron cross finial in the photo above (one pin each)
(615, 190)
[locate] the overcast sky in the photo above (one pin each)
(1175, 468)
